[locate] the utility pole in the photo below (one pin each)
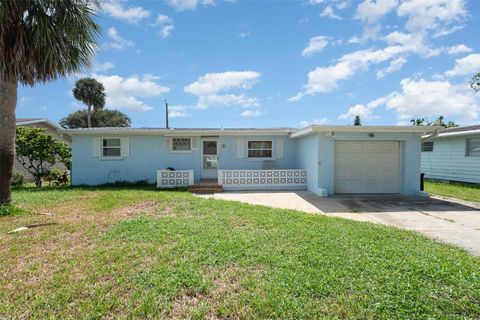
(166, 114)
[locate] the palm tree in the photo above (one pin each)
(92, 93)
(40, 41)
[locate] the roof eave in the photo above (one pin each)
(455, 134)
(170, 132)
(373, 129)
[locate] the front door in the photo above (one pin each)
(209, 158)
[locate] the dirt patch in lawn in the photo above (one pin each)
(35, 256)
(226, 287)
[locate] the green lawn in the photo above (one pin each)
(139, 252)
(469, 192)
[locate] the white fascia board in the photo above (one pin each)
(373, 129)
(460, 133)
(175, 133)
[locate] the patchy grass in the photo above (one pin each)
(465, 191)
(139, 252)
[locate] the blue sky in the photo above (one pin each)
(279, 63)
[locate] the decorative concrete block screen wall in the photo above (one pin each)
(263, 179)
(174, 178)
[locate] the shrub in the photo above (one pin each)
(17, 179)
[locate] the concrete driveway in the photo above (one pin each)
(446, 221)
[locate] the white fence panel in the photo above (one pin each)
(263, 179)
(174, 178)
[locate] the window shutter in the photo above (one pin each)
(124, 147)
(240, 148)
(279, 149)
(96, 146)
(194, 143)
(168, 144)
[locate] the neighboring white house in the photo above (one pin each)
(453, 155)
(322, 159)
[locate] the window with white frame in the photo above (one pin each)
(427, 146)
(111, 147)
(260, 149)
(473, 147)
(181, 144)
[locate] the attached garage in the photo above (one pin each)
(367, 167)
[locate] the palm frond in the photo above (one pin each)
(41, 40)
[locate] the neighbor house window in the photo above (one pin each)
(427, 146)
(111, 148)
(181, 144)
(259, 149)
(473, 148)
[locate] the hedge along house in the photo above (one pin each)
(453, 155)
(322, 159)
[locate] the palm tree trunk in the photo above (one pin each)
(89, 116)
(8, 102)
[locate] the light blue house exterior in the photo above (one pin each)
(453, 155)
(323, 159)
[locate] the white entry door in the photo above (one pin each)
(367, 167)
(209, 158)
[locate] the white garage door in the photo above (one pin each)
(367, 167)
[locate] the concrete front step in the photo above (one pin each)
(206, 187)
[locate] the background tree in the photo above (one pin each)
(475, 82)
(419, 122)
(439, 122)
(39, 41)
(37, 152)
(357, 121)
(100, 118)
(92, 93)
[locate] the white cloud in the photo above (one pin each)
(244, 34)
(102, 67)
(329, 13)
(125, 92)
(315, 45)
(433, 98)
(343, 5)
(468, 65)
(369, 32)
(131, 15)
(370, 11)
(431, 14)
(118, 43)
(395, 65)
(251, 113)
(325, 79)
(211, 88)
(183, 5)
(163, 19)
(166, 31)
(423, 98)
(166, 26)
(305, 123)
(461, 48)
(364, 111)
(177, 111)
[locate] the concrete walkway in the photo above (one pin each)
(453, 223)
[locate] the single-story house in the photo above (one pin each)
(453, 155)
(323, 159)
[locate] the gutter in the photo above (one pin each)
(431, 136)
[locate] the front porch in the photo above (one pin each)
(262, 179)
